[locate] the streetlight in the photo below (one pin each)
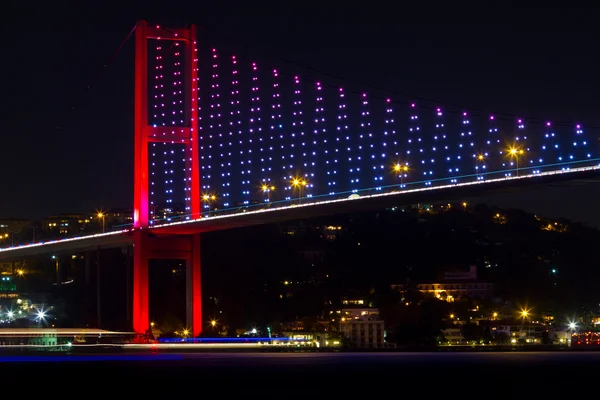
(572, 329)
(401, 169)
(267, 189)
(103, 217)
(516, 152)
(524, 314)
(299, 184)
(12, 237)
(480, 163)
(57, 266)
(207, 198)
(213, 324)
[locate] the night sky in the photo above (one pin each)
(66, 121)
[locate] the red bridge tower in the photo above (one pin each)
(146, 245)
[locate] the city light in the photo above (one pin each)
(41, 316)
(102, 216)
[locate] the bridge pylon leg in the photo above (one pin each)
(194, 287)
(141, 304)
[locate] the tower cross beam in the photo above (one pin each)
(169, 134)
(167, 34)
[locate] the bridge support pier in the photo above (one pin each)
(147, 247)
(193, 283)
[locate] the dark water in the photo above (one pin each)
(309, 375)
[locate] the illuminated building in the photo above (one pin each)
(8, 286)
(455, 286)
(13, 225)
(332, 232)
(363, 328)
(63, 224)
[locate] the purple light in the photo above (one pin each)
(388, 100)
(464, 114)
(491, 117)
(439, 109)
(520, 121)
(413, 105)
(364, 95)
(578, 126)
(548, 124)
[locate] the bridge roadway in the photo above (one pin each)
(447, 193)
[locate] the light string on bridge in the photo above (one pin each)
(337, 177)
(420, 155)
(255, 133)
(489, 152)
(190, 154)
(411, 140)
(332, 147)
(209, 143)
(355, 159)
(230, 184)
(390, 143)
(374, 148)
(580, 143)
(427, 161)
(240, 178)
(158, 115)
(276, 143)
(521, 144)
(178, 114)
(319, 138)
(292, 158)
(466, 147)
(440, 149)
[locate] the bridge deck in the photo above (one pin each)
(576, 176)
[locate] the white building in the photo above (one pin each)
(363, 328)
